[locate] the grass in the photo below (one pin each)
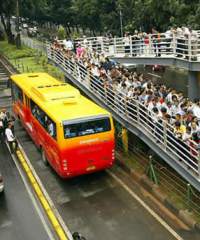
(29, 60)
(11, 52)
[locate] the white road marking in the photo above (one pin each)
(6, 224)
(35, 204)
(139, 200)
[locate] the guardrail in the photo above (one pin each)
(32, 43)
(134, 112)
(150, 45)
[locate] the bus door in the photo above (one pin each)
(27, 113)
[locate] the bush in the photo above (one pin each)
(61, 33)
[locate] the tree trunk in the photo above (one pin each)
(77, 29)
(68, 31)
(93, 32)
(7, 29)
(68, 28)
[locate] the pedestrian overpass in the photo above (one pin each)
(182, 52)
(134, 115)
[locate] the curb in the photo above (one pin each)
(46, 204)
(183, 214)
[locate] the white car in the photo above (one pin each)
(1, 183)
(25, 25)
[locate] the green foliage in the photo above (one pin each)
(12, 52)
(75, 35)
(104, 15)
(7, 9)
(61, 33)
(29, 60)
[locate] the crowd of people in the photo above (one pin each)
(175, 40)
(183, 42)
(120, 86)
(7, 129)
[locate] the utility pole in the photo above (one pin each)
(121, 21)
(18, 39)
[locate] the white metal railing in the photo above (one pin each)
(132, 111)
(151, 45)
(32, 43)
(132, 46)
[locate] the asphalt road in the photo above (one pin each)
(95, 205)
(18, 216)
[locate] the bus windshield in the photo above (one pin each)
(86, 127)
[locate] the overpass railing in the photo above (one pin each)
(134, 112)
(151, 45)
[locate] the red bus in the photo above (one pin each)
(75, 135)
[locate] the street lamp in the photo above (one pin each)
(121, 20)
(18, 40)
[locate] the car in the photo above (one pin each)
(24, 25)
(1, 183)
(157, 67)
(31, 32)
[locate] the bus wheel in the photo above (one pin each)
(44, 159)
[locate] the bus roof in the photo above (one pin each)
(59, 100)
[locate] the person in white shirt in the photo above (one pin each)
(51, 129)
(175, 108)
(154, 103)
(196, 109)
(170, 94)
(68, 45)
(3, 114)
(11, 138)
(126, 41)
(1, 130)
(194, 127)
(95, 75)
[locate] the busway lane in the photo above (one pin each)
(42, 196)
(19, 218)
(95, 205)
(8, 212)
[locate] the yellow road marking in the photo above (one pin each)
(50, 214)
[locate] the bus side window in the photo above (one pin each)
(51, 128)
(20, 95)
(17, 93)
(44, 119)
(34, 109)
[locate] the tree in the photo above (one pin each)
(36, 10)
(7, 9)
(86, 14)
(101, 16)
